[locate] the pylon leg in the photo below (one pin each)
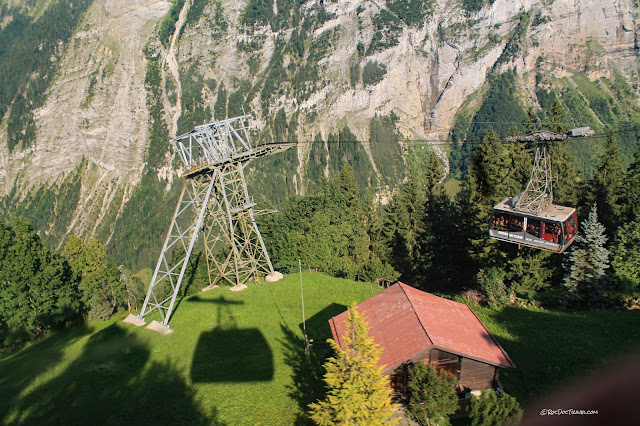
(177, 248)
(233, 227)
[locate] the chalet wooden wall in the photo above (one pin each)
(476, 375)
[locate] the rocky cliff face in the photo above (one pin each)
(96, 108)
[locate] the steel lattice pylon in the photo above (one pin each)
(215, 201)
(539, 191)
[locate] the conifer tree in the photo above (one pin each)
(432, 394)
(625, 257)
(606, 185)
(532, 121)
(220, 107)
(405, 225)
(438, 256)
(499, 170)
(631, 190)
(358, 392)
(490, 409)
(556, 117)
(565, 185)
(588, 260)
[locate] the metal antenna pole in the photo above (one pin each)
(214, 200)
(304, 324)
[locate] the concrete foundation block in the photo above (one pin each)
(134, 319)
(159, 328)
(272, 278)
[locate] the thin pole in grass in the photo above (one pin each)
(304, 324)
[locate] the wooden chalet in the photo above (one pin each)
(413, 326)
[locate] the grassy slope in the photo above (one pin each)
(234, 358)
(555, 348)
(237, 358)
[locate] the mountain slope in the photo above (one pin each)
(135, 73)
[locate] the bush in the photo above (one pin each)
(432, 394)
(373, 72)
(355, 74)
(100, 309)
(492, 284)
(489, 409)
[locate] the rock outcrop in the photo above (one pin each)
(96, 107)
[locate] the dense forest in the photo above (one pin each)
(42, 291)
(439, 243)
(427, 236)
(423, 237)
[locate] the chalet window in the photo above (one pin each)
(442, 360)
(399, 378)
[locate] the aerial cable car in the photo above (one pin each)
(531, 218)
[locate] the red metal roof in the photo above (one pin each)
(405, 321)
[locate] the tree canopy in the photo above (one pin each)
(358, 393)
(36, 292)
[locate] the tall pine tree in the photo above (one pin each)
(605, 187)
(358, 392)
(404, 225)
(566, 179)
(631, 190)
(588, 260)
(625, 258)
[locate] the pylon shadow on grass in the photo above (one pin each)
(113, 382)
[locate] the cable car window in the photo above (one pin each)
(570, 227)
(533, 227)
(515, 224)
(551, 232)
(500, 221)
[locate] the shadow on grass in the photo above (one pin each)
(555, 348)
(228, 353)
(233, 355)
(307, 370)
(19, 370)
(318, 327)
(112, 382)
(306, 373)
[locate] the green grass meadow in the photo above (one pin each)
(555, 349)
(233, 358)
(238, 358)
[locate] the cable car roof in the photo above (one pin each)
(551, 212)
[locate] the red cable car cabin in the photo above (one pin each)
(553, 229)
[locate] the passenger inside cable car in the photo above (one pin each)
(553, 229)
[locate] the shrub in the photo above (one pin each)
(373, 72)
(355, 74)
(432, 394)
(492, 284)
(490, 409)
